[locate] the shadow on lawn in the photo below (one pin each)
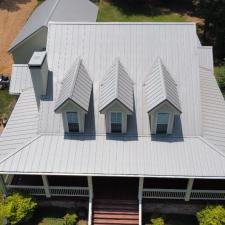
(153, 7)
(12, 5)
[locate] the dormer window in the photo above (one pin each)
(162, 123)
(162, 99)
(74, 98)
(116, 98)
(116, 122)
(72, 119)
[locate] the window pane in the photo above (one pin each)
(116, 122)
(163, 118)
(72, 120)
(162, 123)
(72, 117)
(116, 117)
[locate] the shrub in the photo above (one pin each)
(18, 208)
(212, 215)
(157, 221)
(70, 219)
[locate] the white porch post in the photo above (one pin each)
(140, 193)
(46, 186)
(189, 189)
(2, 186)
(91, 195)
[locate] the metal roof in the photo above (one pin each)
(136, 153)
(121, 156)
(116, 85)
(56, 10)
(22, 124)
(213, 109)
(160, 87)
(76, 86)
(20, 79)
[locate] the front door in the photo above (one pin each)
(115, 188)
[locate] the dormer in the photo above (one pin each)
(116, 98)
(162, 100)
(74, 98)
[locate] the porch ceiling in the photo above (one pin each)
(117, 156)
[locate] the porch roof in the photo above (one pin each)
(117, 156)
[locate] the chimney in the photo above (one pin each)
(39, 73)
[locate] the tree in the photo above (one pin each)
(212, 215)
(214, 27)
(70, 219)
(157, 221)
(18, 208)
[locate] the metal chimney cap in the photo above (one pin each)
(37, 59)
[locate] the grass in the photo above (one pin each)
(7, 103)
(111, 12)
(220, 76)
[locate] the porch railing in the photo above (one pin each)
(207, 195)
(180, 194)
(54, 191)
(29, 190)
(164, 193)
(69, 191)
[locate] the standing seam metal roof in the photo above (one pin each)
(159, 87)
(20, 79)
(22, 124)
(56, 10)
(116, 85)
(76, 86)
(134, 154)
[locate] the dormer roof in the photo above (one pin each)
(160, 87)
(116, 85)
(76, 87)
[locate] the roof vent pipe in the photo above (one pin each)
(39, 73)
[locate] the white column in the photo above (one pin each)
(9, 179)
(46, 186)
(90, 186)
(91, 195)
(189, 189)
(2, 186)
(140, 193)
(140, 188)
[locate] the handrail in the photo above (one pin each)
(180, 194)
(54, 190)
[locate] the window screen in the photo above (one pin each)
(116, 122)
(72, 119)
(162, 123)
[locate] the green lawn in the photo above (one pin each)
(7, 103)
(220, 76)
(112, 11)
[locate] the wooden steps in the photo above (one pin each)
(115, 212)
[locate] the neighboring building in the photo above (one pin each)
(33, 36)
(117, 111)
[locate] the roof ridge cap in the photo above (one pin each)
(79, 61)
(117, 77)
(21, 148)
(52, 10)
(212, 146)
(162, 77)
